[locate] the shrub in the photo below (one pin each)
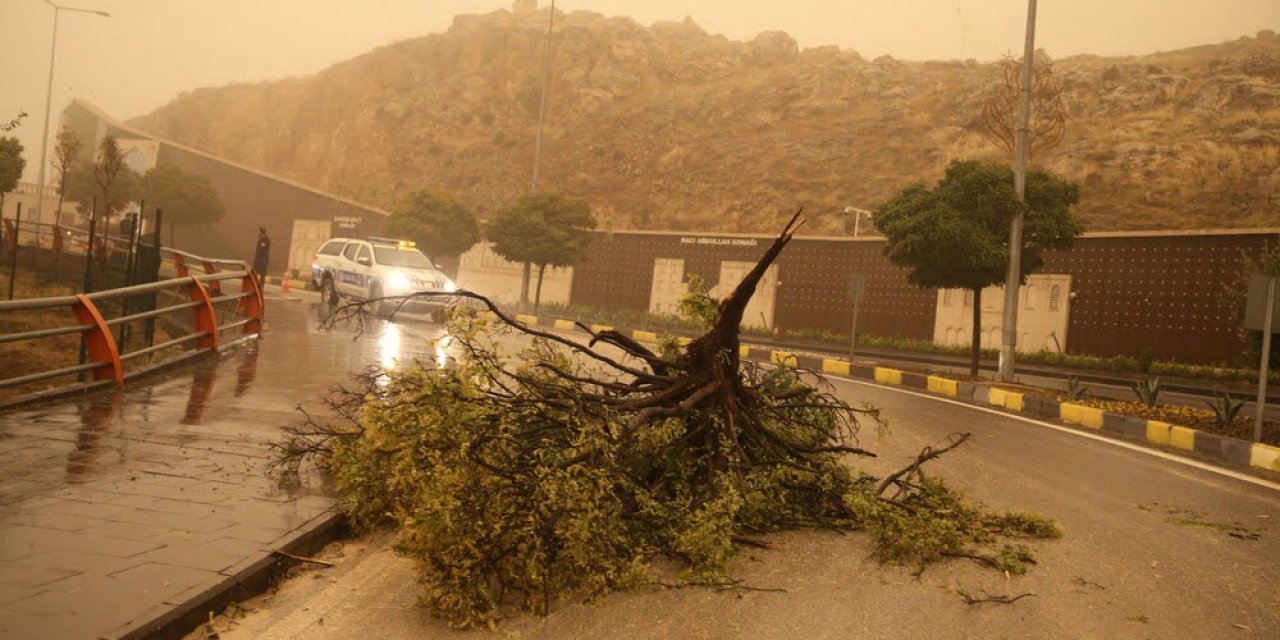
(1148, 391)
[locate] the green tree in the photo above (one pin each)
(439, 222)
(11, 163)
(117, 184)
(542, 229)
(186, 198)
(956, 235)
(64, 158)
(113, 185)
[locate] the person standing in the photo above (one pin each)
(262, 256)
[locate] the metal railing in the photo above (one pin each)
(203, 313)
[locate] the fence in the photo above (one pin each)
(61, 253)
(83, 341)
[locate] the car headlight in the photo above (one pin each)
(449, 286)
(398, 283)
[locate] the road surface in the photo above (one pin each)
(1153, 548)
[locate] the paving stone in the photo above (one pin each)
(112, 509)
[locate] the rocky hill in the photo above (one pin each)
(668, 127)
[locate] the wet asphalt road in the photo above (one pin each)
(1148, 553)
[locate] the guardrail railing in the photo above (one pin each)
(201, 313)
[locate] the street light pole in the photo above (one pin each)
(542, 105)
(48, 104)
(1022, 144)
(857, 217)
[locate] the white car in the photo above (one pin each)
(377, 267)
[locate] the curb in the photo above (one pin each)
(247, 578)
(1116, 425)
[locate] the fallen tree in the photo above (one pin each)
(562, 469)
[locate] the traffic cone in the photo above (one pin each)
(284, 284)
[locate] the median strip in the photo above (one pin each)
(1117, 425)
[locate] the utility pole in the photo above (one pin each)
(48, 102)
(542, 105)
(1013, 281)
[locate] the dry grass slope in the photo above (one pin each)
(668, 127)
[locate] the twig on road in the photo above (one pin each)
(987, 597)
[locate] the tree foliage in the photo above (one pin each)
(562, 469)
(956, 235)
(11, 163)
(185, 198)
(546, 229)
(107, 178)
(14, 123)
(440, 223)
(65, 153)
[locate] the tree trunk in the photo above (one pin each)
(524, 285)
(976, 351)
(537, 297)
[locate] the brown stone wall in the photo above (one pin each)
(813, 276)
(253, 200)
(1163, 291)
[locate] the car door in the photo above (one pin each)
(364, 270)
(348, 278)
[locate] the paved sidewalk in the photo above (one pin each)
(118, 508)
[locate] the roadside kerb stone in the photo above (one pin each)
(1222, 448)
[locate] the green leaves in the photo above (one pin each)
(439, 222)
(11, 163)
(185, 198)
(956, 234)
(544, 229)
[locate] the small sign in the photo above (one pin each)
(347, 222)
(857, 287)
(1255, 309)
(733, 242)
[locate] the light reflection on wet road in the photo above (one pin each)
(113, 504)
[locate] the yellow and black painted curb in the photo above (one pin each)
(1117, 425)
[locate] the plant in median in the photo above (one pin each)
(1075, 390)
(1148, 391)
(1146, 358)
(1225, 408)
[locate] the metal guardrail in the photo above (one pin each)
(215, 315)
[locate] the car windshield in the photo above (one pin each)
(396, 257)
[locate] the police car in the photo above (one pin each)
(376, 267)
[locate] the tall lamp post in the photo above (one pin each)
(857, 217)
(542, 104)
(1022, 144)
(48, 102)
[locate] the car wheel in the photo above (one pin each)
(328, 294)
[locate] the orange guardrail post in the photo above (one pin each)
(252, 307)
(180, 264)
(100, 343)
(215, 287)
(206, 317)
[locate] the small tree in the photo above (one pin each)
(117, 183)
(439, 222)
(542, 229)
(11, 163)
(956, 235)
(186, 198)
(1048, 113)
(64, 157)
